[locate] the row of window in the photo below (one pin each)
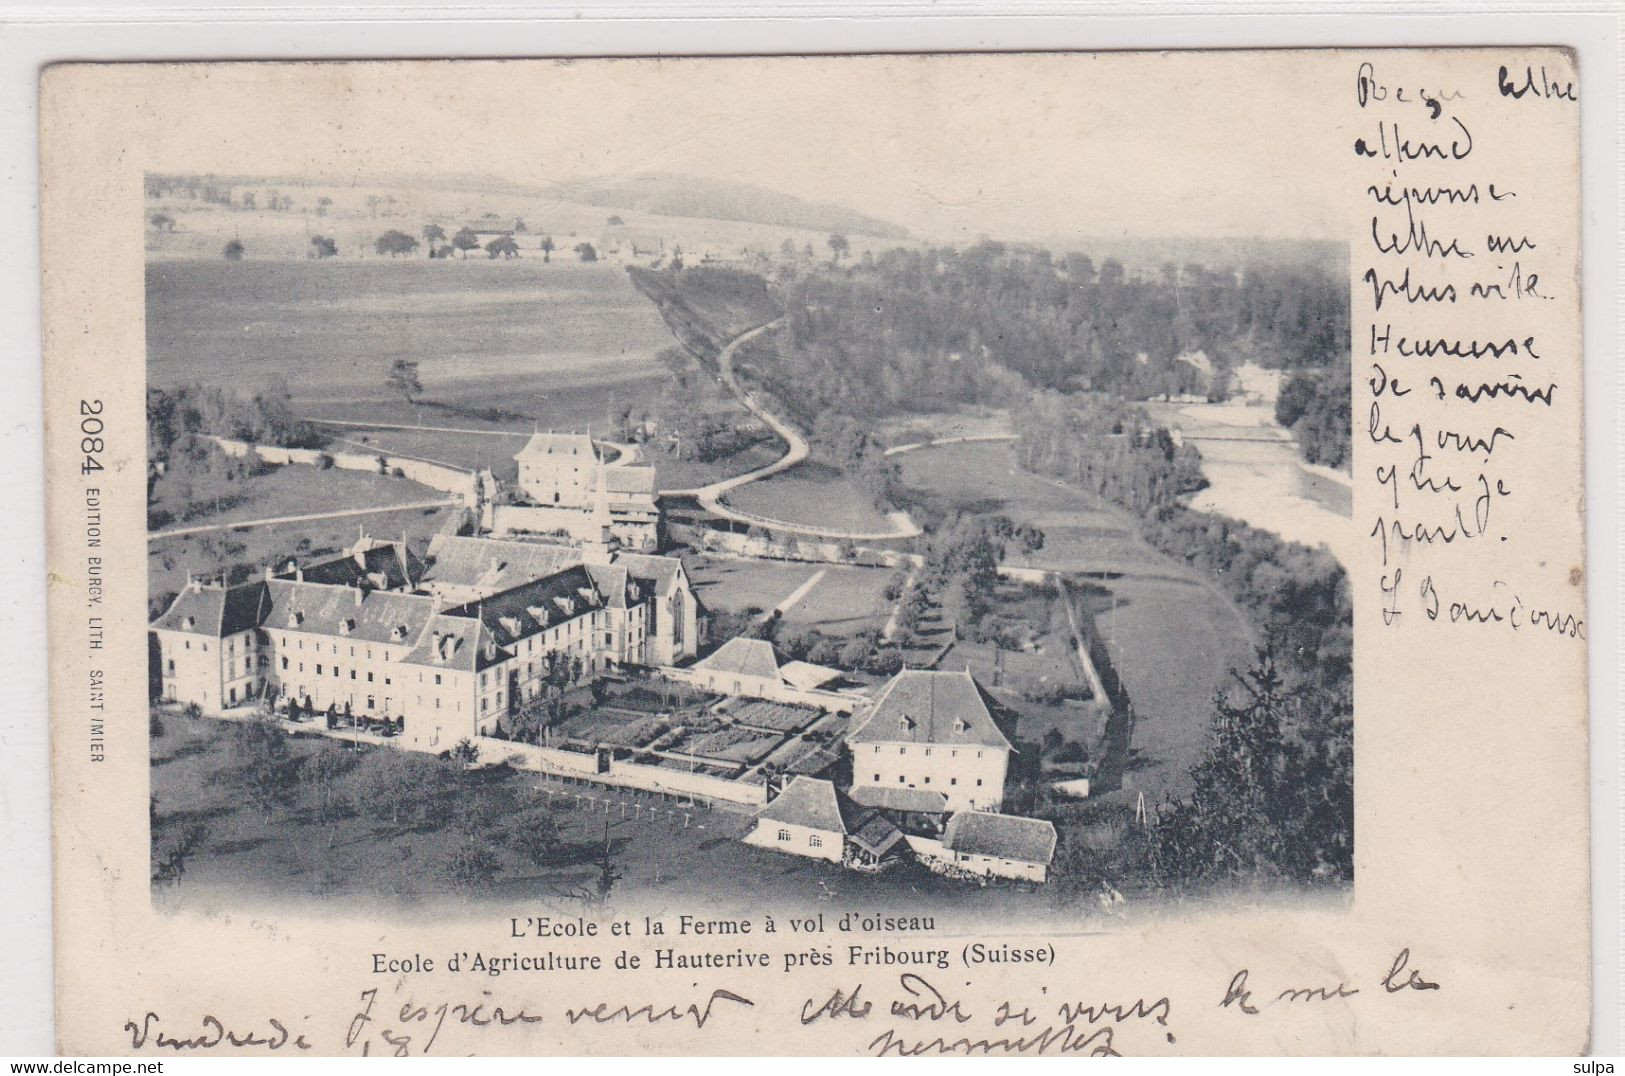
(952, 752)
(902, 779)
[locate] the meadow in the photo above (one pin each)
(504, 344)
(287, 491)
(844, 601)
(812, 494)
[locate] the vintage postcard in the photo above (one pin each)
(912, 555)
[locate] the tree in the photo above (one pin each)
(471, 862)
(395, 242)
(248, 200)
(547, 248)
(838, 247)
(321, 774)
(373, 202)
(234, 250)
(163, 222)
(534, 834)
(519, 226)
(323, 204)
(263, 760)
(503, 246)
(465, 240)
(432, 234)
(467, 752)
(1267, 800)
(586, 252)
(385, 783)
(403, 379)
(323, 246)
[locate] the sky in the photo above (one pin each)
(1036, 146)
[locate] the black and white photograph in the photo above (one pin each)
(752, 503)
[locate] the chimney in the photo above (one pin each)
(359, 594)
(269, 574)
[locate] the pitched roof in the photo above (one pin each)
(874, 832)
(451, 642)
(545, 445)
(891, 798)
(493, 564)
(629, 480)
(806, 801)
(533, 607)
(382, 565)
(746, 657)
(376, 616)
(807, 676)
(214, 611)
(1004, 836)
(664, 572)
(926, 706)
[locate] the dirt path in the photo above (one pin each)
(968, 439)
(794, 596)
(796, 450)
(444, 502)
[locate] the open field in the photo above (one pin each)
(845, 601)
(1173, 637)
(739, 585)
(287, 491)
(202, 229)
(536, 343)
(811, 495)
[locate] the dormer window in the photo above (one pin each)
(538, 614)
(189, 623)
(566, 604)
(397, 633)
(905, 724)
(295, 618)
(959, 724)
(347, 625)
(513, 626)
(587, 595)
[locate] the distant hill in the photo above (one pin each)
(670, 195)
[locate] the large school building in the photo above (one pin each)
(448, 642)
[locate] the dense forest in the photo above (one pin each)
(1315, 405)
(922, 329)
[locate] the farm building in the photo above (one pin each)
(804, 820)
(810, 818)
(566, 486)
(750, 668)
(933, 731)
(1000, 845)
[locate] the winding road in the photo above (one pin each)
(797, 450)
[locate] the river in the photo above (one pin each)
(1255, 475)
